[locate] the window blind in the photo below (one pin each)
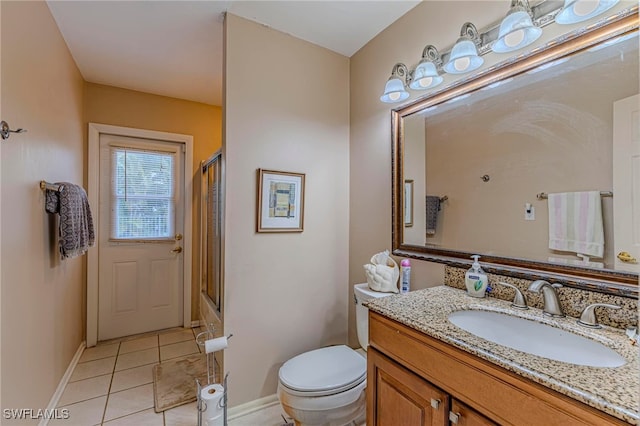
(143, 194)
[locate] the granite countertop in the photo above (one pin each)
(613, 390)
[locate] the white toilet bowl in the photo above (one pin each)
(327, 386)
(324, 386)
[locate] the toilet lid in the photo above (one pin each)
(326, 369)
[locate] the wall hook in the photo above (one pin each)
(485, 178)
(5, 130)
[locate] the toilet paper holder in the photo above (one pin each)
(202, 407)
(201, 340)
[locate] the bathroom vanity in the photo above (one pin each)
(423, 370)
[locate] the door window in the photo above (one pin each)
(143, 194)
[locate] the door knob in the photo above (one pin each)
(177, 250)
(178, 237)
(626, 257)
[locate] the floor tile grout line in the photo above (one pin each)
(111, 384)
(106, 404)
(83, 400)
(126, 415)
(95, 359)
(90, 377)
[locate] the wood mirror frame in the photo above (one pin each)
(606, 280)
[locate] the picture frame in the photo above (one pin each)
(408, 203)
(280, 204)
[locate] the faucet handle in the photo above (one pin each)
(519, 301)
(588, 316)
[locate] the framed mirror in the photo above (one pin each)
(487, 153)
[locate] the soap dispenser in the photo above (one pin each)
(475, 279)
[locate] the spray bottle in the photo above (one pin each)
(405, 276)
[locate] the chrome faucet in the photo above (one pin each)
(519, 301)
(552, 306)
(588, 316)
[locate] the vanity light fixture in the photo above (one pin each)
(464, 55)
(396, 88)
(580, 10)
(516, 29)
(426, 74)
(521, 27)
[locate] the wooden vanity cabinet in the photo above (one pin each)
(463, 415)
(415, 380)
(402, 398)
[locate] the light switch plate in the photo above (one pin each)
(531, 214)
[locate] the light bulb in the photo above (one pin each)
(514, 38)
(394, 96)
(461, 64)
(425, 81)
(585, 7)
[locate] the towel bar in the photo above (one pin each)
(51, 186)
(544, 195)
(445, 198)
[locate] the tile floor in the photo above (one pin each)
(112, 385)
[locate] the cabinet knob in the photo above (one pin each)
(454, 417)
(435, 403)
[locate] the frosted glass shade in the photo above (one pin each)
(425, 76)
(394, 91)
(516, 31)
(581, 10)
(464, 58)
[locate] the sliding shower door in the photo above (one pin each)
(212, 230)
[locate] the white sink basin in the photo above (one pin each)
(536, 338)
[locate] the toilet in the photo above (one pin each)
(326, 386)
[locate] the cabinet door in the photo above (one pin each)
(395, 396)
(463, 415)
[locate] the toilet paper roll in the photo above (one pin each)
(212, 398)
(217, 344)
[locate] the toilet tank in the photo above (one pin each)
(361, 293)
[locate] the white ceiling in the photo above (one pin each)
(174, 48)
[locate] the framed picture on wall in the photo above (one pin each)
(408, 202)
(280, 201)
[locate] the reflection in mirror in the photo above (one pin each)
(492, 149)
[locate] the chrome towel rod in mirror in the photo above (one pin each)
(51, 186)
(544, 195)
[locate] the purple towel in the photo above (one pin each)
(76, 233)
(433, 207)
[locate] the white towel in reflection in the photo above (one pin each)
(575, 262)
(575, 222)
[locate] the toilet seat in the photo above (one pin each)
(324, 371)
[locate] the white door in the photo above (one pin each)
(140, 265)
(626, 183)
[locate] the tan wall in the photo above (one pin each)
(554, 136)
(287, 108)
(42, 297)
(414, 164)
(128, 108)
(431, 22)
(1, 219)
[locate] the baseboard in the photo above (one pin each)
(252, 406)
(53, 403)
(195, 324)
